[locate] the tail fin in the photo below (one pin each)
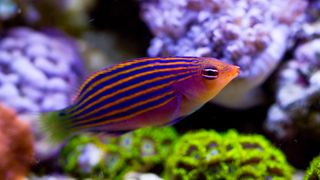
(55, 126)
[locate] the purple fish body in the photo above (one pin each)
(141, 92)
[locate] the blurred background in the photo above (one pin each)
(48, 48)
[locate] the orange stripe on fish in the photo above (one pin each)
(81, 93)
(124, 109)
(128, 88)
(126, 117)
(123, 100)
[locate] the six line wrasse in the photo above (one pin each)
(139, 93)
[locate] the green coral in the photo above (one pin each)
(197, 155)
(143, 150)
(72, 156)
(116, 162)
(313, 172)
(209, 155)
(148, 147)
(88, 156)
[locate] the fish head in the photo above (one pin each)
(215, 75)
(211, 77)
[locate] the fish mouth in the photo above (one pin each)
(236, 70)
(233, 70)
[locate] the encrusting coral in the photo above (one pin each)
(39, 70)
(313, 10)
(313, 171)
(143, 150)
(210, 155)
(148, 146)
(16, 146)
(296, 108)
(81, 155)
(310, 29)
(253, 34)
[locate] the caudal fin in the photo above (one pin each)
(55, 126)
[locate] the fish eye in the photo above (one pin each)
(210, 73)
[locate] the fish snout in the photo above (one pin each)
(231, 70)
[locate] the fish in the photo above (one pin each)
(143, 92)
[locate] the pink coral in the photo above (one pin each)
(16, 146)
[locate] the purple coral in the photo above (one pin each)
(252, 34)
(297, 107)
(313, 11)
(38, 70)
(311, 28)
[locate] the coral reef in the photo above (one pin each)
(251, 34)
(313, 10)
(296, 109)
(149, 147)
(116, 162)
(81, 155)
(16, 146)
(209, 155)
(48, 46)
(38, 70)
(309, 31)
(141, 176)
(88, 156)
(313, 171)
(142, 150)
(311, 28)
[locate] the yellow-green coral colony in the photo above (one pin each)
(141, 150)
(313, 172)
(74, 155)
(209, 155)
(195, 155)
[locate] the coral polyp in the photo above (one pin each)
(313, 171)
(296, 108)
(142, 150)
(210, 155)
